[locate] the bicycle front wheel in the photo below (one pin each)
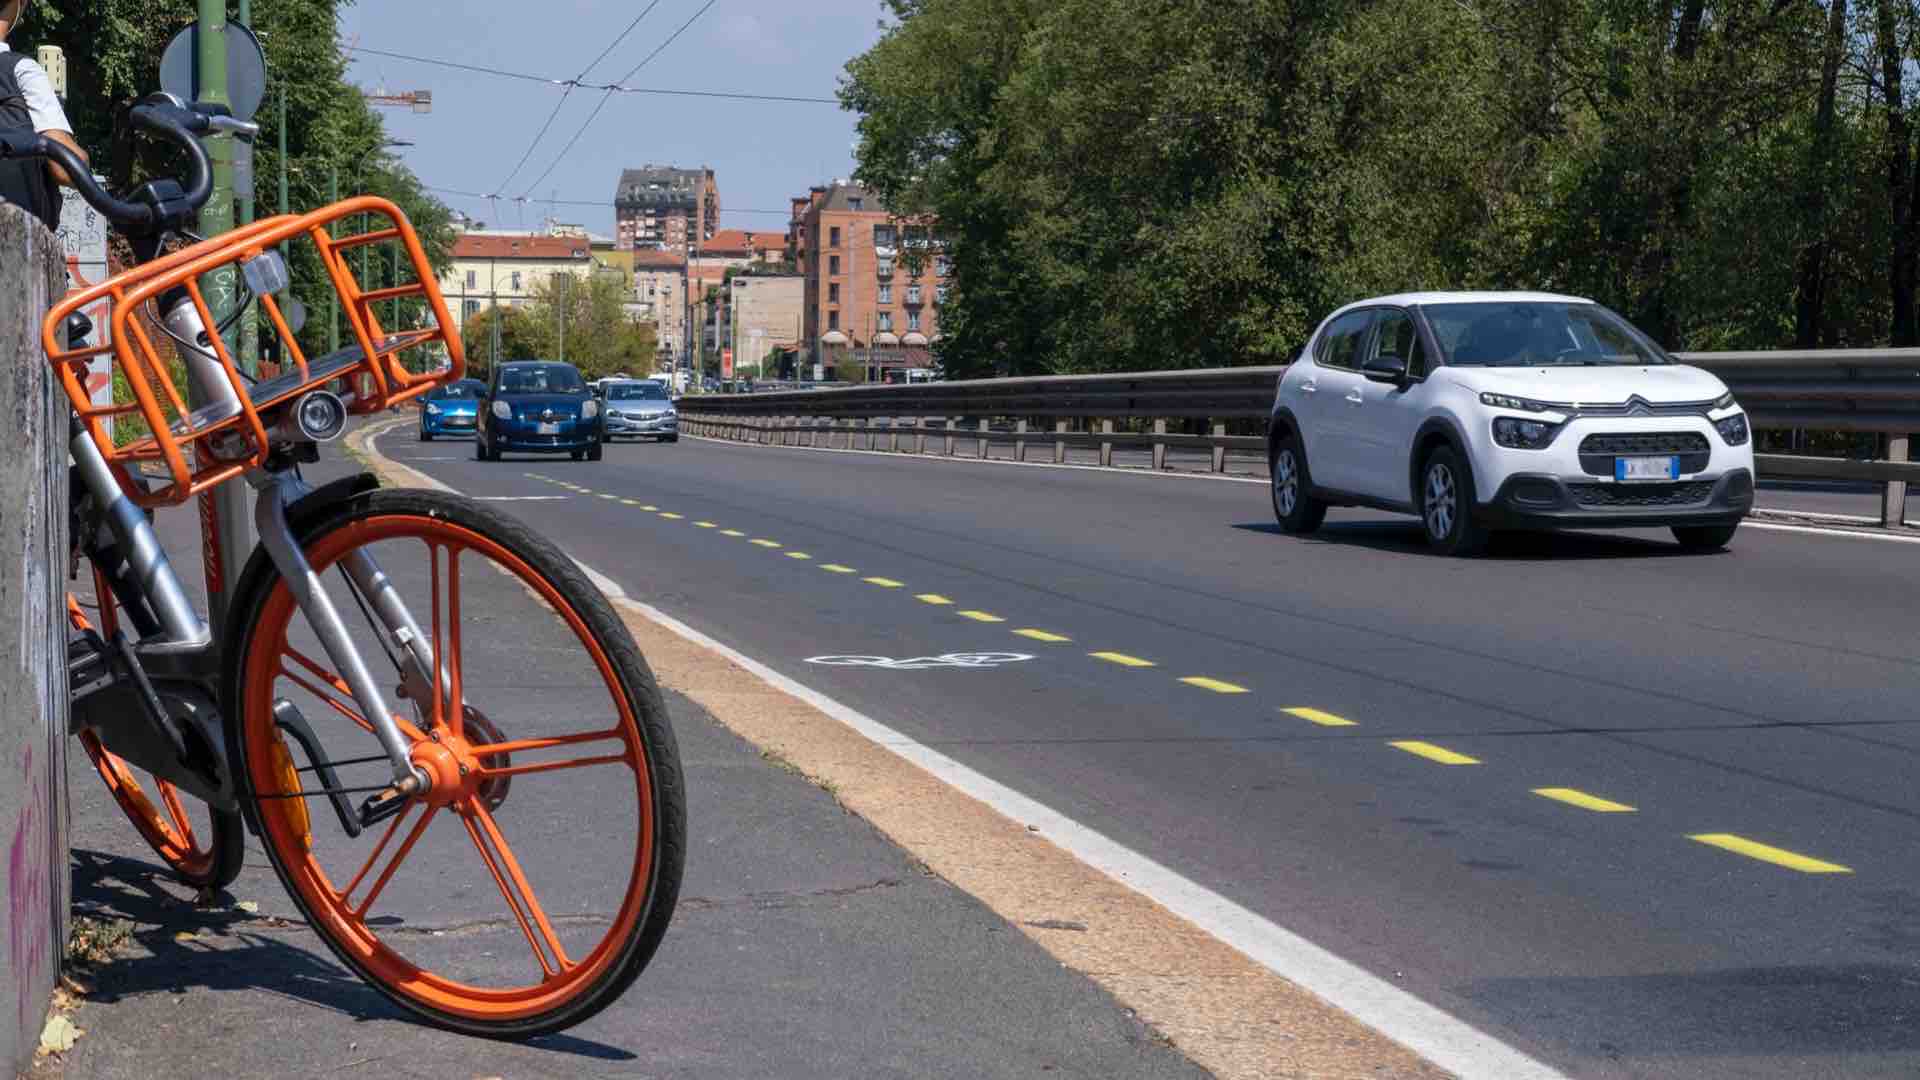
(528, 888)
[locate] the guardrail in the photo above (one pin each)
(1850, 390)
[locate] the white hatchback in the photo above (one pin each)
(1488, 411)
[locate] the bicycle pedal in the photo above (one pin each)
(380, 806)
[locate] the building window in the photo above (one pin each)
(833, 320)
(516, 281)
(833, 236)
(473, 279)
(913, 319)
(886, 292)
(833, 292)
(833, 264)
(472, 308)
(913, 294)
(939, 294)
(855, 203)
(942, 265)
(886, 321)
(883, 235)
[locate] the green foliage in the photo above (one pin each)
(1129, 185)
(600, 337)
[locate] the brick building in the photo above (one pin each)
(665, 208)
(874, 283)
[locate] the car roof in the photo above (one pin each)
(1414, 299)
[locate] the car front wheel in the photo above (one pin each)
(1293, 507)
(1446, 505)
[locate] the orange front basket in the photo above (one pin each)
(167, 450)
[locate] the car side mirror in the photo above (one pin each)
(1387, 368)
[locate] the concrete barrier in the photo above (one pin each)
(34, 889)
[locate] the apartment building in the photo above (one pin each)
(768, 311)
(503, 268)
(873, 282)
(664, 208)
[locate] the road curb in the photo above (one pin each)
(1088, 901)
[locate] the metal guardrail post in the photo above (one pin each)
(1159, 447)
(981, 443)
(1219, 452)
(1106, 448)
(947, 423)
(1059, 445)
(1020, 440)
(1893, 499)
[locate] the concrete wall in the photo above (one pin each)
(33, 694)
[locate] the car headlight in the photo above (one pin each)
(432, 409)
(1508, 401)
(1516, 433)
(1725, 402)
(502, 410)
(668, 415)
(1734, 429)
(589, 409)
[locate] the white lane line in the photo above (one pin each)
(1445, 1040)
(1857, 534)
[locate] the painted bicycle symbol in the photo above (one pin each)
(917, 663)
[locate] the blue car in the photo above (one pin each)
(539, 407)
(453, 409)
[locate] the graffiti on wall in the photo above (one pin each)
(29, 897)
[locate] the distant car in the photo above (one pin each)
(453, 409)
(540, 407)
(1488, 411)
(639, 409)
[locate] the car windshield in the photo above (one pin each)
(1538, 334)
(546, 379)
(463, 390)
(636, 392)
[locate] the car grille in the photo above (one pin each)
(1598, 451)
(1689, 493)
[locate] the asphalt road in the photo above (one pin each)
(1761, 698)
(804, 944)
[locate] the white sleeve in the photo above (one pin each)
(41, 104)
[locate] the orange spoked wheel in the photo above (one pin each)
(207, 853)
(528, 887)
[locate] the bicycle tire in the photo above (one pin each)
(254, 666)
(166, 827)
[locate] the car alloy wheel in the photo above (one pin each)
(1442, 501)
(1286, 482)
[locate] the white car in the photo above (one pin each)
(1484, 411)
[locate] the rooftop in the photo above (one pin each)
(481, 245)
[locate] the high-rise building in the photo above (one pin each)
(664, 208)
(874, 282)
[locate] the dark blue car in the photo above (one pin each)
(539, 407)
(453, 409)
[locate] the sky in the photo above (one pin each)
(761, 152)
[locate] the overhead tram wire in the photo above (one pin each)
(730, 95)
(608, 96)
(564, 95)
(483, 197)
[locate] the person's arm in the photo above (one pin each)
(49, 118)
(59, 174)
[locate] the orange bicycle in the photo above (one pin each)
(437, 727)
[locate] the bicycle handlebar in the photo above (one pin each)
(164, 202)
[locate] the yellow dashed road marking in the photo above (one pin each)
(885, 582)
(670, 516)
(981, 616)
(1214, 685)
(798, 555)
(932, 598)
(706, 524)
(766, 543)
(1433, 753)
(649, 507)
(1042, 635)
(604, 495)
(631, 502)
(731, 532)
(836, 568)
(1324, 719)
(1753, 849)
(1576, 797)
(1122, 659)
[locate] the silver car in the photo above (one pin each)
(639, 409)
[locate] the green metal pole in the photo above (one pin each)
(243, 214)
(286, 206)
(217, 216)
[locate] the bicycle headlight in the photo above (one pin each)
(502, 410)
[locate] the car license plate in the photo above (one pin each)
(546, 429)
(1646, 468)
